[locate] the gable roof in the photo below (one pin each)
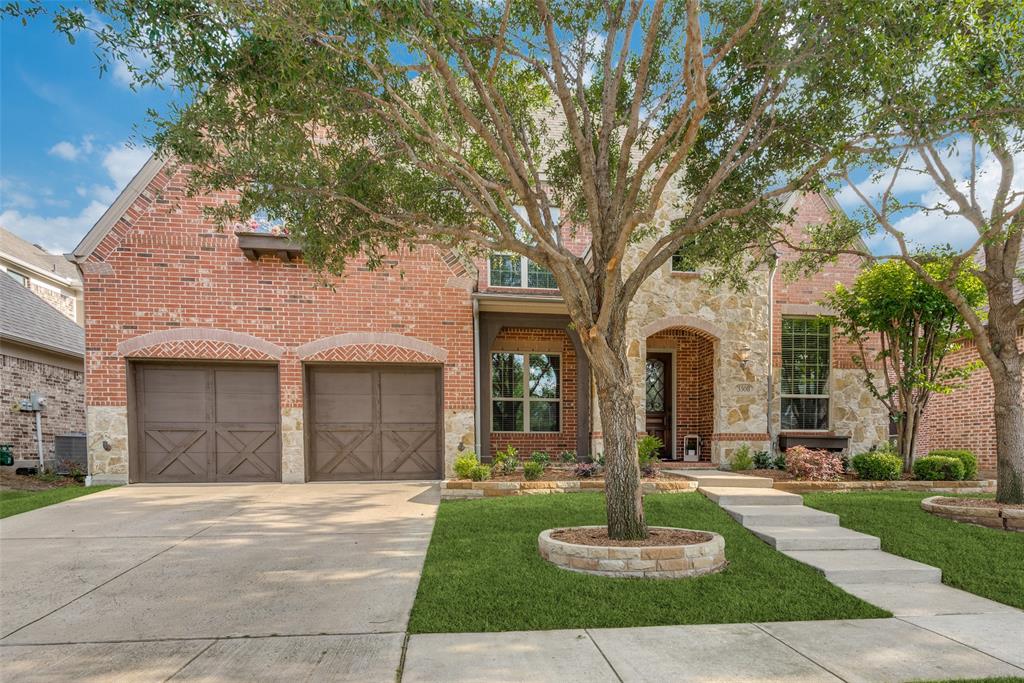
(27, 319)
(33, 255)
(113, 214)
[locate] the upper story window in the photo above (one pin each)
(526, 392)
(19, 278)
(687, 259)
(806, 364)
(513, 270)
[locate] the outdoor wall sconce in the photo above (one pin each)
(743, 356)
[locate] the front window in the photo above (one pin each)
(18, 277)
(525, 392)
(689, 256)
(513, 270)
(806, 362)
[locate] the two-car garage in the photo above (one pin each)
(221, 422)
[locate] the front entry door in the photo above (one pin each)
(659, 399)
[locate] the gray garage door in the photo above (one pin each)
(374, 422)
(206, 423)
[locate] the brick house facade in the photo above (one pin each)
(180, 315)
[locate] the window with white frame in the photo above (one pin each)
(806, 363)
(19, 278)
(513, 270)
(526, 392)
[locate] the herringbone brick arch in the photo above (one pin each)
(200, 350)
(372, 353)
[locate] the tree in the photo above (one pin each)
(953, 119)
(917, 326)
(366, 126)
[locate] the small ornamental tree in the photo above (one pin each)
(916, 326)
(370, 125)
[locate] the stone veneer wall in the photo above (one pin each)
(65, 404)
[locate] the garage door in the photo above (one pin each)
(200, 423)
(374, 422)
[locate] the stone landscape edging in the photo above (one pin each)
(994, 518)
(974, 486)
(635, 562)
(455, 489)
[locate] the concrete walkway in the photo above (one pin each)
(938, 633)
(245, 582)
(869, 650)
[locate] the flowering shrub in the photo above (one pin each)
(804, 463)
(262, 225)
(585, 470)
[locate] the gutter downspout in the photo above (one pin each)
(476, 377)
(72, 258)
(771, 347)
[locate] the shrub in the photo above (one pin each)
(939, 468)
(507, 460)
(541, 458)
(532, 470)
(780, 461)
(598, 459)
(877, 465)
(585, 470)
(567, 457)
(969, 460)
(804, 463)
(741, 459)
(464, 464)
(480, 473)
(763, 460)
(647, 448)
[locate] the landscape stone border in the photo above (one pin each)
(644, 562)
(454, 489)
(974, 486)
(994, 518)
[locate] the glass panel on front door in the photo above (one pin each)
(655, 385)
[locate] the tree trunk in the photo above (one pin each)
(623, 494)
(1009, 414)
(906, 439)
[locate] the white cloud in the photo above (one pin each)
(69, 151)
(59, 233)
(65, 150)
(63, 232)
(122, 163)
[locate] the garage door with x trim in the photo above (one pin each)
(374, 422)
(199, 423)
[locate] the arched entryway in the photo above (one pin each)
(679, 391)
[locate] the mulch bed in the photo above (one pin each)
(563, 474)
(9, 481)
(656, 537)
(978, 503)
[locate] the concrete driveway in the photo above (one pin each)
(214, 582)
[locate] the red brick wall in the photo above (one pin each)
(694, 383)
(165, 266)
(809, 291)
(530, 339)
(964, 418)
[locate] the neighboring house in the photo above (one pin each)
(965, 418)
(41, 352)
(216, 356)
(50, 276)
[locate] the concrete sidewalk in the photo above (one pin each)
(871, 650)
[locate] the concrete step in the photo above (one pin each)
(720, 479)
(816, 538)
(752, 516)
(728, 495)
(866, 566)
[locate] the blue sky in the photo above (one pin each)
(69, 142)
(65, 134)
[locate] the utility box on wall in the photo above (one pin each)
(691, 448)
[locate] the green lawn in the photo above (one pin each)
(483, 573)
(987, 562)
(16, 502)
